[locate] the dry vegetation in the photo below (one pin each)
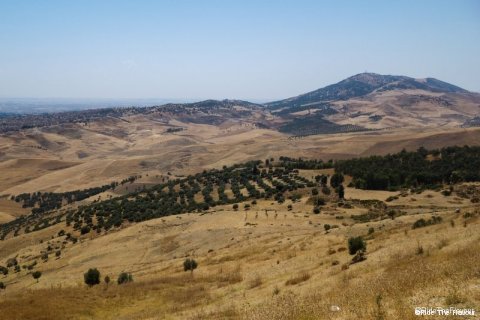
(252, 264)
(280, 268)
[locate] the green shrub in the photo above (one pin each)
(336, 180)
(3, 270)
(92, 277)
(124, 277)
(189, 265)
(356, 244)
(420, 223)
(85, 230)
(36, 275)
(326, 190)
(2, 286)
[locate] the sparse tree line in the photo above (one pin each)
(93, 277)
(48, 201)
(43, 203)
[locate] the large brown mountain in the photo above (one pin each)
(374, 101)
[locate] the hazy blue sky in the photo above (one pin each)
(228, 49)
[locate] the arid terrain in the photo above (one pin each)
(267, 258)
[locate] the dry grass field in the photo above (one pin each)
(254, 264)
(267, 262)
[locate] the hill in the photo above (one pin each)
(370, 101)
(274, 256)
(361, 85)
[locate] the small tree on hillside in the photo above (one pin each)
(189, 264)
(36, 275)
(124, 277)
(336, 180)
(356, 244)
(92, 277)
(341, 192)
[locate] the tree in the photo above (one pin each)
(36, 275)
(356, 244)
(124, 277)
(336, 180)
(341, 191)
(92, 277)
(107, 280)
(235, 207)
(189, 264)
(85, 230)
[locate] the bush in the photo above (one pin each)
(189, 264)
(124, 277)
(314, 192)
(341, 192)
(58, 253)
(420, 223)
(326, 190)
(92, 277)
(316, 210)
(235, 207)
(327, 227)
(3, 270)
(356, 244)
(2, 286)
(107, 279)
(12, 262)
(371, 230)
(85, 230)
(359, 257)
(336, 180)
(36, 275)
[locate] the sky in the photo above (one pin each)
(252, 50)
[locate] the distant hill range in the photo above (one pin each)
(373, 101)
(365, 101)
(363, 84)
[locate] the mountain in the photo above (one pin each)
(363, 84)
(370, 101)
